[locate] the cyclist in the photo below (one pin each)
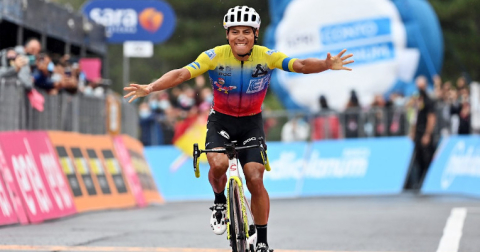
(239, 73)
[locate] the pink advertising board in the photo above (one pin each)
(11, 188)
(129, 171)
(52, 175)
(29, 181)
(7, 212)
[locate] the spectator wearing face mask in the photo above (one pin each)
(151, 131)
(43, 74)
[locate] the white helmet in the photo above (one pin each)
(241, 16)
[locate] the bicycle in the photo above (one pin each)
(242, 236)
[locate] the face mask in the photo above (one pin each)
(209, 99)
(50, 66)
(144, 113)
(153, 105)
(88, 91)
(398, 102)
(164, 104)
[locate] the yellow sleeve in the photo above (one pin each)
(279, 60)
(203, 63)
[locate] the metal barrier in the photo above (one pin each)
(352, 123)
(64, 112)
(291, 125)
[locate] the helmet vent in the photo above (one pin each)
(254, 17)
(247, 9)
(239, 16)
(232, 17)
(245, 17)
(225, 19)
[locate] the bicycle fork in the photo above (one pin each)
(249, 231)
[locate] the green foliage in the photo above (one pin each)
(460, 24)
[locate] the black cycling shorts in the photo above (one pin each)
(246, 130)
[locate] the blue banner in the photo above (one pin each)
(173, 173)
(348, 167)
(358, 166)
(455, 168)
(129, 20)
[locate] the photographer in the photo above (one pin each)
(15, 65)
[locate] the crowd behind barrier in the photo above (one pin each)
(433, 112)
(164, 115)
(63, 111)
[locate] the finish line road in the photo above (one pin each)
(404, 223)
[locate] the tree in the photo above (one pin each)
(460, 24)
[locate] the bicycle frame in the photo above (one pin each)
(234, 174)
(231, 151)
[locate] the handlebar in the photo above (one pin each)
(231, 151)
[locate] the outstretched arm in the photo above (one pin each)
(312, 65)
(168, 80)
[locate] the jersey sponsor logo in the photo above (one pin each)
(220, 87)
(248, 140)
(260, 71)
(233, 167)
(257, 85)
(270, 52)
(211, 53)
(224, 71)
(225, 74)
(223, 133)
(195, 65)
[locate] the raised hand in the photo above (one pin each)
(136, 91)
(337, 62)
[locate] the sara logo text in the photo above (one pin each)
(126, 20)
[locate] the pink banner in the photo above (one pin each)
(20, 161)
(132, 178)
(11, 187)
(7, 212)
(92, 68)
(48, 166)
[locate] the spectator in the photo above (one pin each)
(43, 75)
(151, 132)
(326, 125)
(396, 115)
(186, 99)
(422, 135)
(33, 47)
(13, 63)
(460, 112)
(70, 82)
(206, 95)
(296, 129)
(378, 106)
(352, 116)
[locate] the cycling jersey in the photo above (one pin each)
(239, 86)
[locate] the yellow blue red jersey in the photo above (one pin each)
(239, 87)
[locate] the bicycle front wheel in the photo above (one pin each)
(237, 226)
